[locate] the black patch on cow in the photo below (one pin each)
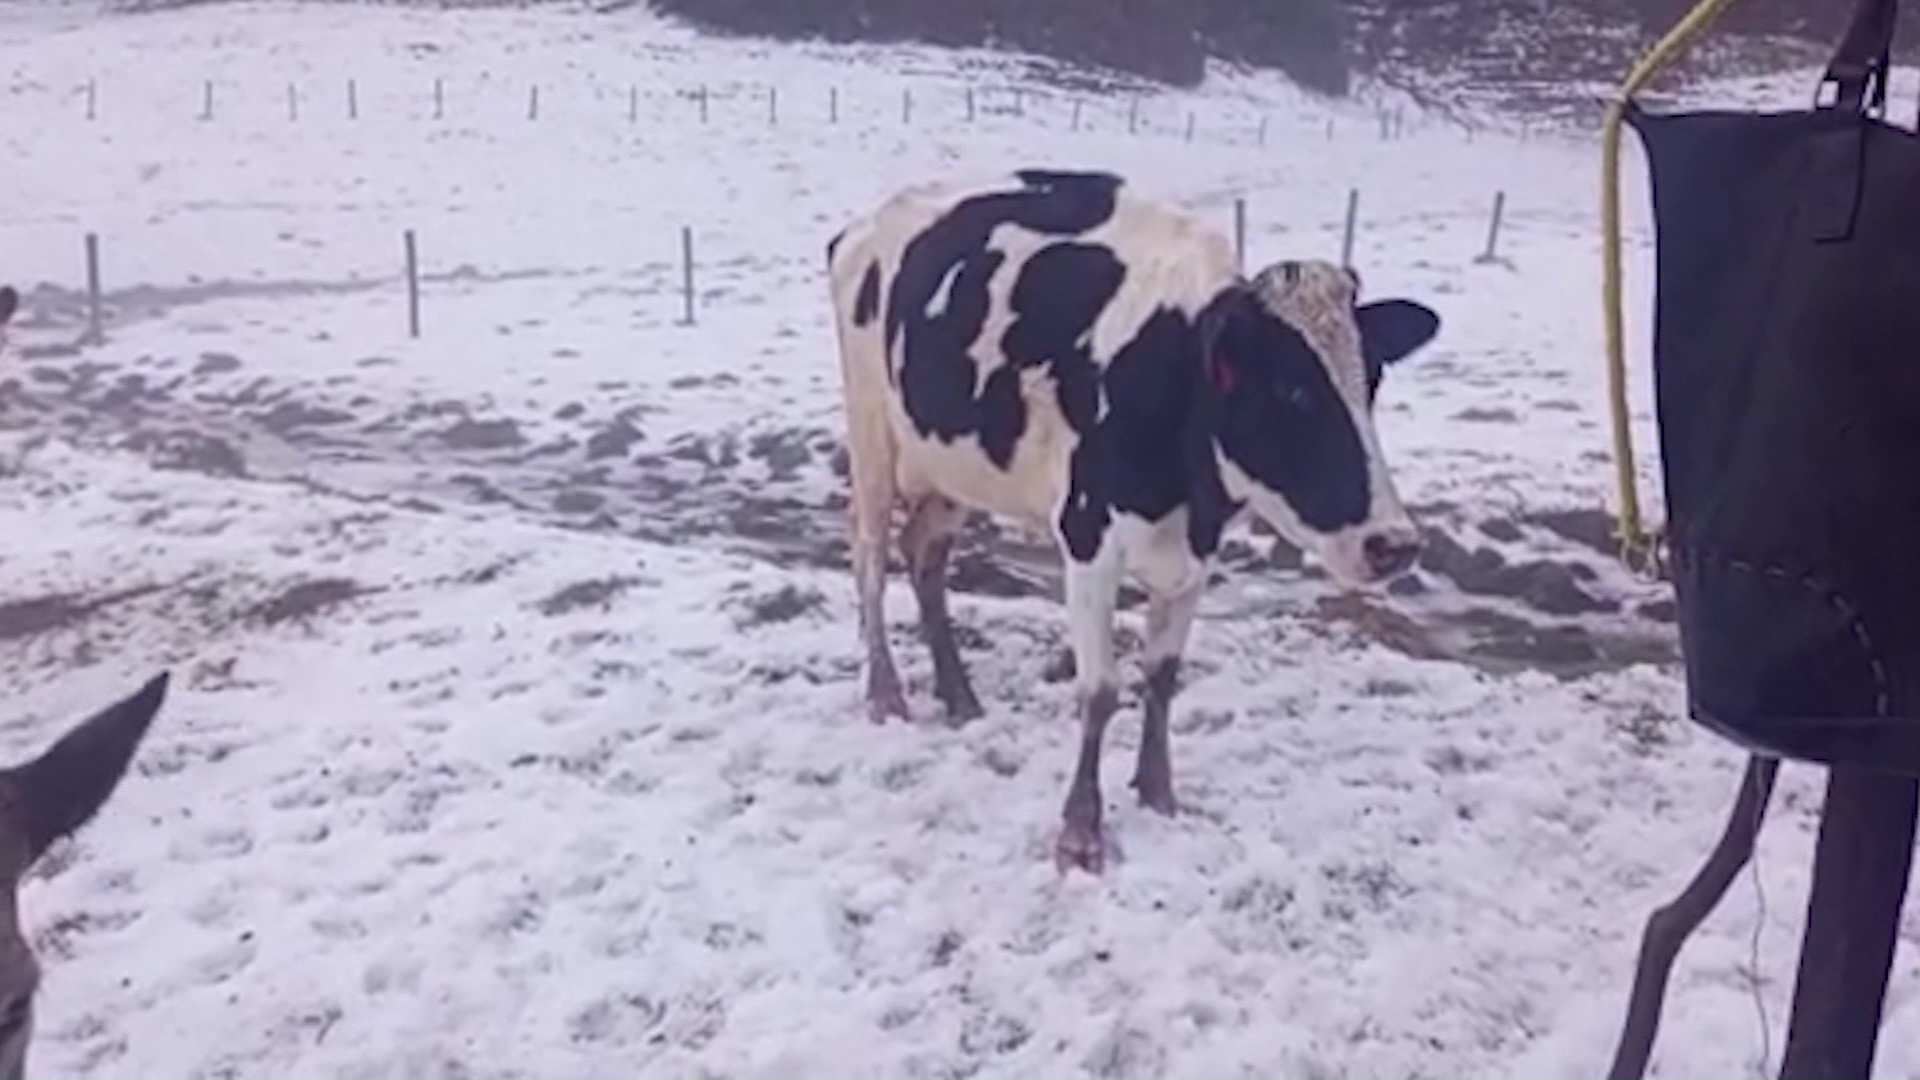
(866, 303)
(1087, 179)
(1209, 507)
(1135, 459)
(1090, 491)
(1283, 421)
(1061, 290)
(1149, 390)
(950, 259)
(1389, 331)
(1198, 396)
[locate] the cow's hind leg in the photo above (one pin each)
(870, 466)
(927, 541)
(1169, 623)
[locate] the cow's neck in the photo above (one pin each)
(1209, 508)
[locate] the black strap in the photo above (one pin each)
(1858, 71)
(1858, 77)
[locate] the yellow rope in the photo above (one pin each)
(1638, 547)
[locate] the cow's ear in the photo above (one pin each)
(58, 791)
(1392, 329)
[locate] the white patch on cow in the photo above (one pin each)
(1156, 552)
(1015, 246)
(1172, 263)
(1092, 590)
(942, 294)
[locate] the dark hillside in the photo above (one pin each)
(1504, 49)
(1555, 56)
(1162, 40)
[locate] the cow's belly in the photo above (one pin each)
(1027, 491)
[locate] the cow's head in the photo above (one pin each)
(41, 801)
(1290, 366)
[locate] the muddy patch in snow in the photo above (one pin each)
(1538, 591)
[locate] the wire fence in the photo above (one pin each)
(413, 257)
(482, 103)
(1134, 113)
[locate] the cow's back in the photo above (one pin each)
(971, 312)
(1169, 254)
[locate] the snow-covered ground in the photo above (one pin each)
(518, 729)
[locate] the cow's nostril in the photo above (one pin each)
(1388, 555)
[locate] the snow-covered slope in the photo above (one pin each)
(519, 733)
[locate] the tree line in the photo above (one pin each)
(1319, 44)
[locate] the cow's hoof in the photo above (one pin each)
(1080, 846)
(881, 707)
(1156, 795)
(963, 710)
(886, 697)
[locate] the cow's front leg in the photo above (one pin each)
(1091, 588)
(1169, 622)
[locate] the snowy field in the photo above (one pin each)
(517, 727)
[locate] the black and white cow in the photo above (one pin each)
(1056, 349)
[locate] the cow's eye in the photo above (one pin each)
(1296, 398)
